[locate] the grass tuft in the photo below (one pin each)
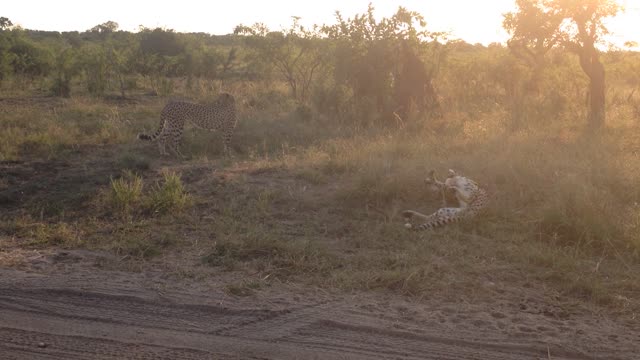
(169, 196)
(126, 193)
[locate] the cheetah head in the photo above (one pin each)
(438, 186)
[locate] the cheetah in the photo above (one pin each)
(220, 115)
(471, 198)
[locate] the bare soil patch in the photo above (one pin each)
(65, 306)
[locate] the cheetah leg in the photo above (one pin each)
(175, 143)
(175, 148)
(162, 149)
(408, 214)
(437, 185)
(226, 140)
(162, 139)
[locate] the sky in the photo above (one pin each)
(475, 21)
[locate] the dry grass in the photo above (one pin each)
(564, 208)
(313, 201)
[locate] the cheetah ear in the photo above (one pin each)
(451, 173)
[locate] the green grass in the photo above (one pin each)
(32, 233)
(138, 242)
(52, 128)
(126, 193)
(169, 195)
(126, 198)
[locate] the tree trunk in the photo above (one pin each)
(596, 96)
(591, 65)
(122, 86)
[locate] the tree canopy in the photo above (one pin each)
(575, 25)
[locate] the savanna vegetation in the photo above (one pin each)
(339, 124)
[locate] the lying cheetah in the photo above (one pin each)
(220, 115)
(471, 198)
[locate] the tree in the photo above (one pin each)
(121, 60)
(580, 36)
(380, 60)
(296, 54)
(413, 84)
(230, 60)
(105, 28)
(65, 68)
(534, 31)
(5, 23)
(29, 59)
(6, 56)
(94, 63)
(160, 42)
(157, 57)
(576, 25)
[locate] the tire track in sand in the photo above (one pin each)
(82, 324)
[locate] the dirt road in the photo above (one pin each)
(82, 313)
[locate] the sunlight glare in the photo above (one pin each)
(470, 20)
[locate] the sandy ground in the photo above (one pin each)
(63, 305)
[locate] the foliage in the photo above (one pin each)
(29, 59)
(370, 54)
(105, 28)
(298, 54)
(5, 23)
(364, 70)
(96, 68)
(65, 69)
(576, 25)
(533, 30)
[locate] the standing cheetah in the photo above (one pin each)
(220, 115)
(471, 198)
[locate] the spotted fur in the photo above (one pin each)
(220, 115)
(471, 200)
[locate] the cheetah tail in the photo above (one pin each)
(433, 224)
(146, 137)
(152, 137)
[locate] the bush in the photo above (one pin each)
(61, 87)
